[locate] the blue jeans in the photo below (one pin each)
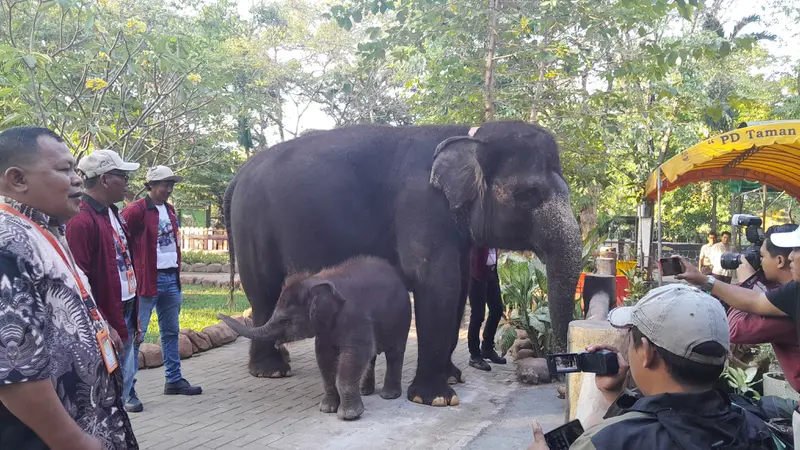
(168, 307)
(130, 360)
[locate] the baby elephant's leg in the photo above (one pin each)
(352, 364)
(326, 360)
(392, 387)
(368, 381)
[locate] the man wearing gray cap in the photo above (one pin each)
(98, 238)
(157, 254)
(674, 346)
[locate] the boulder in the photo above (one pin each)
(525, 353)
(199, 267)
(533, 371)
(140, 358)
(184, 346)
(226, 268)
(219, 334)
(520, 344)
(214, 268)
(522, 334)
(199, 340)
(152, 355)
(185, 267)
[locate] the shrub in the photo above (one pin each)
(195, 257)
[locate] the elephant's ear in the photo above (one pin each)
(457, 172)
(325, 303)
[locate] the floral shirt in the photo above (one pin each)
(46, 332)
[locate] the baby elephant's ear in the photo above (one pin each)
(325, 304)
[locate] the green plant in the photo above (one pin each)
(199, 256)
(742, 381)
(524, 288)
(590, 244)
(638, 286)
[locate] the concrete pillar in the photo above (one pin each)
(584, 401)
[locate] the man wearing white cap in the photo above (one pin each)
(154, 231)
(98, 239)
(784, 301)
(675, 346)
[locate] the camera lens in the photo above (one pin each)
(730, 260)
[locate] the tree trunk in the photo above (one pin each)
(488, 83)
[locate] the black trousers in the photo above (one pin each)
(483, 294)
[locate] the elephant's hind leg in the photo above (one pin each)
(392, 382)
(368, 381)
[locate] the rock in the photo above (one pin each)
(184, 346)
(214, 268)
(219, 334)
(140, 358)
(561, 391)
(226, 268)
(185, 267)
(199, 340)
(525, 353)
(199, 267)
(152, 355)
(243, 320)
(533, 371)
(520, 344)
(248, 313)
(522, 334)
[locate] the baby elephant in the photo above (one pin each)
(356, 310)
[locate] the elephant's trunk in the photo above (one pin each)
(560, 243)
(261, 332)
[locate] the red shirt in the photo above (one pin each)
(142, 218)
(479, 256)
(91, 240)
(781, 332)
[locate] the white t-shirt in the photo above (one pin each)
(167, 249)
(492, 259)
(716, 259)
(128, 286)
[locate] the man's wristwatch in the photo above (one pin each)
(709, 284)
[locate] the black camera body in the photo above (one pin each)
(601, 362)
(754, 234)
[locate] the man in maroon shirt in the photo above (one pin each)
(98, 238)
(781, 332)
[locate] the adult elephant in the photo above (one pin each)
(416, 196)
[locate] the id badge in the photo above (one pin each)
(131, 281)
(107, 350)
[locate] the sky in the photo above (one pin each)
(772, 21)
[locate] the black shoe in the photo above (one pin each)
(491, 355)
(134, 405)
(182, 387)
(479, 364)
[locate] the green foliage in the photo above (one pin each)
(198, 257)
(638, 286)
(742, 381)
(523, 284)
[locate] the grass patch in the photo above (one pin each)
(199, 256)
(200, 307)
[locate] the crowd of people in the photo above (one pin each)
(79, 280)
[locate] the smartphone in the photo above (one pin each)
(670, 266)
(562, 437)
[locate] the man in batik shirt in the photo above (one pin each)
(60, 383)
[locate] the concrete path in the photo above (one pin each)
(237, 411)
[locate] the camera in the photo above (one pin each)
(754, 234)
(601, 362)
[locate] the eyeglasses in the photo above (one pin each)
(124, 175)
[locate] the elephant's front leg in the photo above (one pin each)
(326, 360)
(352, 364)
(436, 304)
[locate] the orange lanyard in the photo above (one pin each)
(52, 240)
(122, 247)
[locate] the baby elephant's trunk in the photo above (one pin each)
(244, 330)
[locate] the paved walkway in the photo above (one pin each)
(237, 411)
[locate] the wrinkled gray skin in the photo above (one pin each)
(356, 311)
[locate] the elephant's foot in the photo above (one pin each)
(266, 361)
(351, 409)
(329, 403)
(455, 375)
(285, 353)
(433, 391)
(391, 392)
(368, 385)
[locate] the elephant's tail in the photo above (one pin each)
(242, 329)
(226, 211)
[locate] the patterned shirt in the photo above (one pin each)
(46, 332)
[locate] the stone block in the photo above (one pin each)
(199, 267)
(226, 268)
(580, 386)
(184, 346)
(525, 353)
(140, 358)
(219, 334)
(532, 371)
(214, 268)
(520, 344)
(152, 355)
